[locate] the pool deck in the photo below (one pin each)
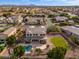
(4, 53)
(34, 45)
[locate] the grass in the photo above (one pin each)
(59, 41)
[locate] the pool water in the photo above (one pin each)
(28, 48)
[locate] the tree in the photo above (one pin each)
(64, 24)
(18, 51)
(57, 53)
(7, 14)
(74, 39)
(51, 15)
(38, 51)
(53, 29)
(75, 18)
(11, 40)
(64, 14)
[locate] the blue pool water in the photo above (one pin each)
(28, 48)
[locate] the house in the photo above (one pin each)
(2, 19)
(20, 19)
(70, 21)
(11, 19)
(10, 31)
(35, 20)
(71, 30)
(14, 19)
(61, 18)
(35, 33)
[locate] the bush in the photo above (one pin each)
(38, 51)
(51, 15)
(7, 14)
(64, 24)
(64, 14)
(74, 39)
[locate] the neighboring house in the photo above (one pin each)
(15, 19)
(10, 31)
(71, 30)
(2, 19)
(20, 19)
(71, 15)
(7, 33)
(35, 20)
(35, 33)
(61, 18)
(70, 21)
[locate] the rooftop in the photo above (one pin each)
(36, 29)
(72, 29)
(9, 30)
(59, 18)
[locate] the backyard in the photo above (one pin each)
(59, 41)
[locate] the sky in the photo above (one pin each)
(40, 2)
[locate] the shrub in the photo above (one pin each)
(38, 51)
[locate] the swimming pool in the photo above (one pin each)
(28, 48)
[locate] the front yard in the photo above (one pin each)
(59, 41)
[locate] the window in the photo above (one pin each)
(27, 34)
(33, 34)
(40, 34)
(43, 34)
(30, 34)
(36, 34)
(1, 40)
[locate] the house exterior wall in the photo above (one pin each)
(36, 33)
(35, 36)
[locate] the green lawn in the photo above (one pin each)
(59, 41)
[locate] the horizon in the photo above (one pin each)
(40, 2)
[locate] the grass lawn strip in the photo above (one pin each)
(59, 41)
